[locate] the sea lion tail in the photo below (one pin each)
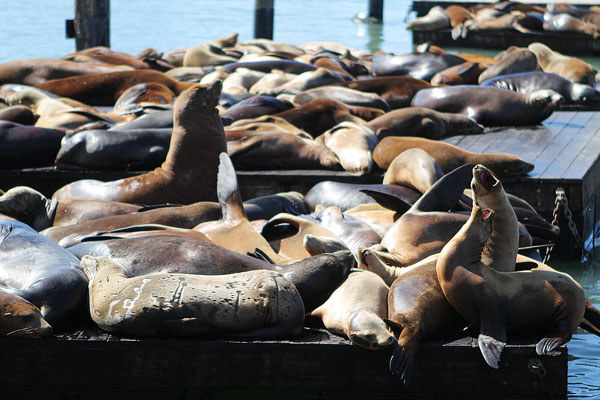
(228, 194)
(591, 319)
(491, 349)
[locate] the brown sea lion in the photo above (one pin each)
(423, 122)
(463, 74)
(254, 303)
(567, 23)
(570, 68)
(188, 174)
(356, 309)
(513, 60)
(413, 168)
(152, 92)
(102, 54)
(551, 304)
(346, 95)
(491, 106)
(105, 88)
(21, 319)
(435, 19)
(24, 146)
(449, 156)
(353, 144)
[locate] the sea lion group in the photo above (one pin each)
(177, 252)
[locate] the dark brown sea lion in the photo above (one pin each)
(21, 319)
(152, 92)
(257, 106)
(466, 73)
(38, 270)
(315, 277)
(274, 150)
(549, 304)
(105, 88)
(423, 122)
(490, 106)
(566, 23)
(34, 71)
(449, 156)
(319, 115)
(24, 146)
(253, 303)
(435, 19)
(18, 114)
(397, 91)
(189, 173)
(102, 54)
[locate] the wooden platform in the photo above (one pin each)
(90, 364)
(422, 7)
(566, 43)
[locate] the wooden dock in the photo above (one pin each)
(565, 150)
(422, 7)
(574, 44)
(91, 364)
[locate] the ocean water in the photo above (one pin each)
(36, 28)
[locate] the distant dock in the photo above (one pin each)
(422, 7)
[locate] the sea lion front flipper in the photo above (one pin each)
(404, 351)
(261, 255)
(368, 260)
(228, 194)
(491, 349)
(388, 200)
(445, 193)
(548, 344)
(591, 319)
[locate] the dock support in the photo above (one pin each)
(263, 19)
(92, 23)
(376, 10)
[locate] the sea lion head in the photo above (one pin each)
(192, 102)
(369, 331)
(26, 205)
(584, 94)
(484, 183)
(20, 318)
(479, 226)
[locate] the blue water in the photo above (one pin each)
(36, 28)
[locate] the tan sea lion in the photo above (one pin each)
(449, 156)
(353, 144)
(206, 54)
(413, 168)
(435, 19)
(188, 174)
(21, 319)
(356, 309)
(255, 303)
(571, 68)
(152, 92)
(551, 304)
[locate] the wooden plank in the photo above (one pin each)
(487, 141)
(548, 156)
(578, 141)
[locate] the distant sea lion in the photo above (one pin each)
(310, 79)
(21, 319)
(356, 309)
(466, 73)
(254, 303)
(490, 106)
(290, 66)
(152, 92)
(434, 20)
(571, 68)
(347, 96)
(567, 23)
(548, 303)
(102, 54)
(423, 122)
(105, 88)
(257, 106)
(192, 161)
(37, 269)
(527, 82)
(449, 156)
(418, 65)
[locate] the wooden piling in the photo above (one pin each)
(263, 19)
(92, 23)
(376, 10)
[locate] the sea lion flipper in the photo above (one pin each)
(491, 349)
(228, 194)
(279, 228)
(261, 255)
(444, 194)
(155, 206)
(547, 344)
(387, 200)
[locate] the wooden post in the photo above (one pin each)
(263, 19)
(376, 10)
(92, 23)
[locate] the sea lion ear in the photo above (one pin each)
(215, 89)
(393, 325)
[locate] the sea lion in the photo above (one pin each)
(256, 106)
(19, 318)
(356, 310)
(413, 168)
(100, 149)
(353, 144)
(239, 82)
(491, 106)
(548, 303)
(153, 120)
(436, 19)
(37, 269)
(423, 122)
(275, 150)
(254, 303)
(192, 161)
(308, 80)
(151, 92)
(104, 89)
(102, 54)
(24, 146)
(34, 71)
(466, 73)
(527, 82)
(206, 54)
(397, 91)
(18, 114)
(566, 23)
(418, 65)
(571, 68)
(513, 60)
(319, 115)
(449, 156)
(291, 66)
(315, 277)
(347, 96)
(266, 123)
(270, 81)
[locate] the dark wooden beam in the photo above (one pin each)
(92, 23)
(263, 19)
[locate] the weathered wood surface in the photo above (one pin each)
(566, 43)
(91, 361)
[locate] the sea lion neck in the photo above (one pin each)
(196, 127)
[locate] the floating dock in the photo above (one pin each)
(91, 364)
(422, 7)
(567, 43)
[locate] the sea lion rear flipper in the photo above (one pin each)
(387, 200)
(279, 228)
(261, 255)
(403, 354)
(228, 194)
(490, 349)
(591, 319)
(444, 194)
(548, 344)
(155, 206)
